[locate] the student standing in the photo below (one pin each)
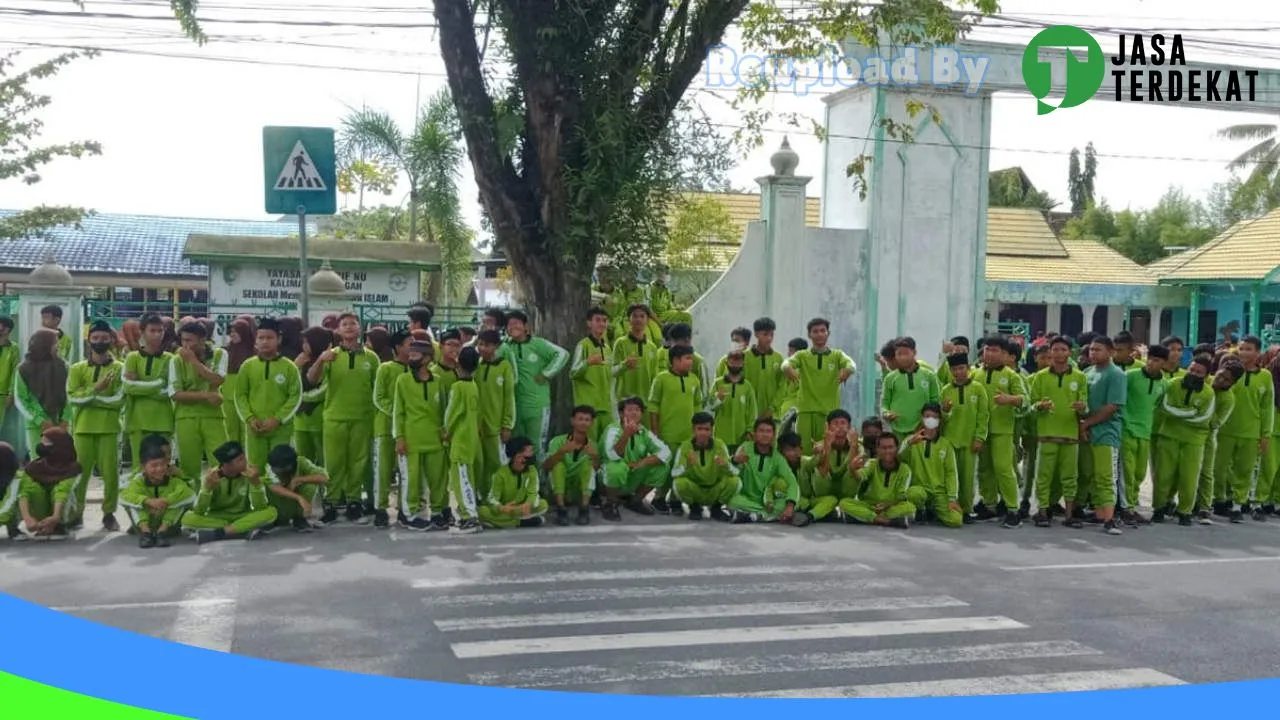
(635, 357)
(819, 372)
(1101, 429)
(1210, 492)
(195, 376)
(496, 381)
(51, 317)
(763, 369)
(907, 389)
(148, 410)
(418, 427)
(349, 372)
(681, 335)
(966, 412)
(1145, 384)
(384, 446)
(536, 361)
(308, 425)
(96, 391)
(674, 398)
(40, 388)
(1188, 405)
(997, 477)
(1247, 432)
(592, 374)
(1059, 397)
(268, 394)
(240, 341)
(462, 431)
(8, 366)
(733, 400)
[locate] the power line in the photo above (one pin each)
(32, 12)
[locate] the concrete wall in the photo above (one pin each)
(734, 300)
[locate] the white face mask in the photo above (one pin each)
(931, 423)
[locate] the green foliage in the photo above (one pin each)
(1080, 182)
(1144, 236)
(696, 222)
(356, 176)
(1011, 188)
(20, 156)
(382, 223)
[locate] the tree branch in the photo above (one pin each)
(639, 32)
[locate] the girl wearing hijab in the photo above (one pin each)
(9, 485)
(378, 340)
(170, 342)
(45, 499)
(308, 426)
(240, 340)
(40, 390)
(130, 338)
(291, 337)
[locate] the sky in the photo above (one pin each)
(181, 125)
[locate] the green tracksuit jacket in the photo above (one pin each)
(700, 466)
(819, 373)
(968, 415)
(734, 403)
(507, 487)
(418, 413)
(765, 474)
(384, 388)
(462, 422)
(764, 372)
(350, 379)
(674, 399)
(175, 490)
(8, 371)
(96, 413)
(1188, 415)
(1002, 417)
(184, 378)
(446, 375)
(496, 382)
(268, 389)
(1062, 421)
(878, 486)
(232, 498)
(147, 404)
(700, 370)
(1141, 400)
(634, 382)
(531, 358)
(593, 384)
(1255, 408)
(933, 467)
(905, 394)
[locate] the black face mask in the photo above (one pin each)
(869, 443)
(1193, 382)
(417, 364)
(100, 347)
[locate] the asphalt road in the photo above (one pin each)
(666, 606)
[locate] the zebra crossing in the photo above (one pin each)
(722, 622)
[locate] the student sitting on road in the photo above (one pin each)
(233, 502)
(154, 499)
(45, 499)
(882, 497)
(769, 491)
(294, 482)
(9, 485)
(572, 460)
(513, 499)
(702, 471)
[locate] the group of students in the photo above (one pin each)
(293, 427)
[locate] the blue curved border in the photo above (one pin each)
(70, 653)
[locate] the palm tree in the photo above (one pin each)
(431, 157)
(1263, 181)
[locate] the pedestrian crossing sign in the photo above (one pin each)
(299, 170)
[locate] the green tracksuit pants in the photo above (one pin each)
(1207, 484)
(197, 439)
(101, 452)
(135, 445)
(967, 469)
(287, 509)
(231, 422)
(922, 498)
(492, 459)
(1030, 451)
(742, 503)
(819, 507)
(626, 481)
(424, 482)
(258, 445)
(1177, 471)
(310, 445)
(1135, 457)
(40, 504)
(493, 516)
(148, 521)
(9, 504)
(996, 477)
(462, 490)
(1234, 468)
(240, 524)
(865, 513)
(1102, 482)
(1267, 491)
(812, 428)
(719, 493)
(534, 422)
(575, 489)
(384, 470)
(347, 445)
(1057, 472)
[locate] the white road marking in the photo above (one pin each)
(728, 636)
(834, 586)
(105, 540)
(1143, 563)
(998, 685)
(636, 574)
(194, 603)
(661, 670)
(210, 626)
(691, 612)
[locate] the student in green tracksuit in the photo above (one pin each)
(635, 357)
(763, 369)
(966, 414)
(268, 394)
(308, 424)
(232, 501)
(148, 409)
(154, 499)
(1248, 431)
(10, 484)
(1102, 427)
(884, 485)
(384, 443)
(1059, 396)
(241, 337)
(95, 390)
(935, 480)
(496, 381)
(349, 372)
(46, 502)
(417, 424)
(1145, 385)
(829, 463)
(739, 339)
(8, 366)
(572, 460)
(1028, 436)
(462, 432)
(635, 461)
(767, 489)
(537, 360)
(907, 389)
(677, 394)
(733, 400)
(819, 371)
(789, 390)
(702, 471)
(1188, 405)
(681, 335)
(816, 501)
(196, 374)
(591, 370)
(1209, 491)
(293, 484)
(51, 317)
(997, 478)
(40, 388)
(1267, 492)
(513, 499)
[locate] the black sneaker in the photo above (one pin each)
(1073, 522)
(109, 523)
(533, 522)
(641, 507)
(741, 518)
(718, 512)
(1259, 515)
(1184, 519)
(584, 516)
(330, 515)
(300, 524)
(255, 534)
(1204, 517)
(1024, 510)
(982, 512)
(800, 519)
(695, 512)
(562, 516)
(969, 518)
(203, 537)
(596, 502)
(610, 512)
(1157, 516)
(447, 513)
(902, 523)
(162, 540)
(1058, 509)
(1011, 520)
(1001, 510)
(468, 527)
(1269, 509)
(146, 540)
(438, 522)
(1222, 508)
(1111, 528)
(364, 515)
(659, 505)
(381, 519)
(676, 507)
(1130, 518)
(1237, 516)
(1042, 519)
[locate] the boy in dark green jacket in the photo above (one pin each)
(768, 491)
(513, 499)
(883, 498)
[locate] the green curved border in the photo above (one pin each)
(43, 701)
